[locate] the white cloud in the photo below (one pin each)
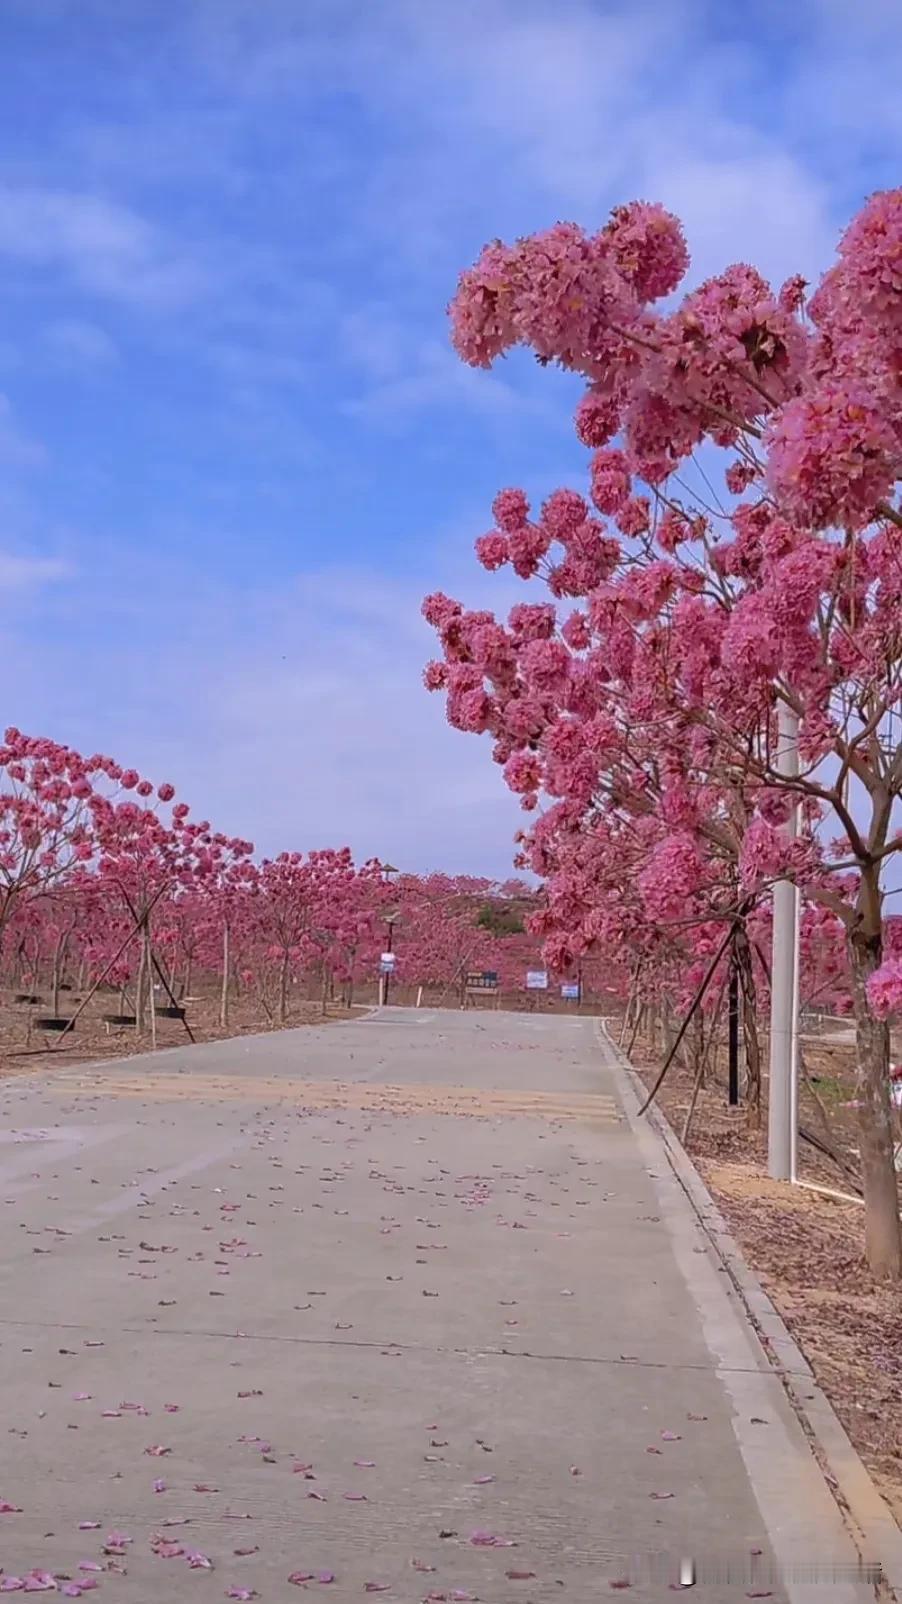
(30, 573)
(17, 449)
(399, 373)
(108, 248)
(296, 717)
(754, 205)
(433, 377)
(81, 343)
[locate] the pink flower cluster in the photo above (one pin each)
(884, 988)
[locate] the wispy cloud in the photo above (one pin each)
(30, 573)
(17, 448)
(77, 342)
(107, 247)
(301, 717)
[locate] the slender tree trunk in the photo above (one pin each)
(151, 996)
(283, 989)
(139, 990)
(324, 996)
(637, 1021)
(666, 1025)
(751, 1041)
(883, 1236)
(697, 1054)
(186, 984)
(58, 973)
(224, 993)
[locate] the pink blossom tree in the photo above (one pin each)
(704, 613)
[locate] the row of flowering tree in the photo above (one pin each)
(107, 881)
(733, 569)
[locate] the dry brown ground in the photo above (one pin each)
(808, 1251)
(23, 1047)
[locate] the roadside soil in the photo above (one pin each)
(26, 1049)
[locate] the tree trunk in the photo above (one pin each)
(224, 993)
(186, 983)
(667, 1030)
(58, 972)
(151, 995)
(324, 996)
(883, 1236)
(698, 1044)
(139, 991)
(283, 989)
(749, 1015)
(692, 1043)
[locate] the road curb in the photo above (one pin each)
(867, 1516)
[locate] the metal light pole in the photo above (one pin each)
(388, 869)
(388, 947)
(782, 1098)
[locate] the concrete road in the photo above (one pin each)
(396, 1303)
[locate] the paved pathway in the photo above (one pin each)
(332, 1302)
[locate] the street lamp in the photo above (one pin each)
(388, 869)
(390, 919)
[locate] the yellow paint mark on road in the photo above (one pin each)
(323, 1096)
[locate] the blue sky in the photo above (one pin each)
(235, 447)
